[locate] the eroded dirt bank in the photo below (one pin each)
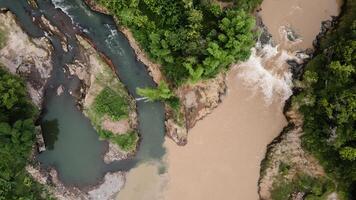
(224, 151)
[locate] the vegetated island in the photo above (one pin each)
(25, 68)
(194, 44)
(315, 156)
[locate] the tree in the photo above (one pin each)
(161, 93)
(17, 133)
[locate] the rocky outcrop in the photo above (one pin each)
(287, 147)
(107, 190)
(95, 74)
(197, 101)
(287, 150)
(30, 58)
(153, 68)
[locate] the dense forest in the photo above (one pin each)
(328, 103)
(192, 39)
(17, 134)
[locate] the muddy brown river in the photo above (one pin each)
(224, 151)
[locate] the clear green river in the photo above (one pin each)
(73, 146)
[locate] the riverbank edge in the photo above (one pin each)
(207, 94)
(72, 192)
(48, 176)
(295, 122)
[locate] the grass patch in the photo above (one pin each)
(284, 168)
(112, 104)
(126, 142)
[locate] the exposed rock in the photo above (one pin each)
(198, 100)
(116, 127)
(60, 90)
(114, 153)
(287, 149)
(332, 196)
(96, 74)
(94, 6)
(176, 132)
(113, 182)
(298, 196)
(30, 58)
(50, 27)
(39, 140)
(107, 190)
(153, 68)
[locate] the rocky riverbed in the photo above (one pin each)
(31, 58)
(28, 57)
(197, 100)
(95, 75)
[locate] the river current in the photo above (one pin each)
(77, 152)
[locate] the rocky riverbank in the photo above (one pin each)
(286, 159)
(31, 58)
(197, 100)
(96, 75)
(28, 57)
(286, 152)
(107, 189)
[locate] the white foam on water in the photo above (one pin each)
(111, 41)
(274, 83)
(65, 8)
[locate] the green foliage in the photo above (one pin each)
(2, 38)
(126, 142)
(283, 168)
(111, 103)
(192, 40)
(328, 102)
(313, 188)
(161, 93)
(17, 133)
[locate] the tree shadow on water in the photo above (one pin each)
(50, 132)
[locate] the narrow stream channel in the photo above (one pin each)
(77, 153)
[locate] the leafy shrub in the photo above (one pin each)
(126, 142)
(111, 103)
(313, 188)
(193, 40)
(17, 133)
(161, 93)
(328, 102)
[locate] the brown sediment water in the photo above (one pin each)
(222, 157)
(224, 151)
(143, 183)
(302, 16)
